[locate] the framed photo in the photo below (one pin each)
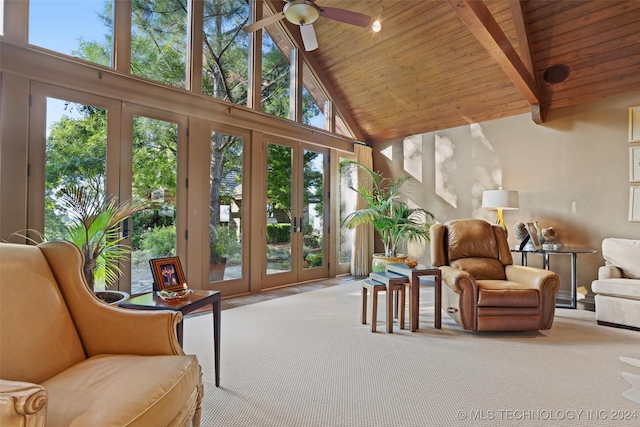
(167, 274)
(634, 124)
(634, 204)
(533, 234)
(634, 164)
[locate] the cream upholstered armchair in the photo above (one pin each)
(617, 289)
(483, 290)
(68, 359)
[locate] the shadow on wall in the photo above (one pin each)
(466, 164)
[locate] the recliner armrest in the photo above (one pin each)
(538, 278)
(609, 271)
(22, 404)
(454, 277)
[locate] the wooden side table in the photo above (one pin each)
(192, 302)
(414, 275)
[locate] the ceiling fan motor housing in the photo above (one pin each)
(301, 12)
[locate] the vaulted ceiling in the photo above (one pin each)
(438, 64)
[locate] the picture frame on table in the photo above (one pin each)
(533, 234)
(167, 274)
(634, 124)
(634, 163)
(634, 204)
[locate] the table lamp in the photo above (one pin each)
(500, 200)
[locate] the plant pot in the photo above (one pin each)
(216, 271)
(112, 297)
(379, 261)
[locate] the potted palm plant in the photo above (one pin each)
(387, 210)
(95, 230)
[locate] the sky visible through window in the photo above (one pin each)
(59, 24)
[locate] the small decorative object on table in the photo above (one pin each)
(411, 262)
(174, 295)
(521, 233)
(167, 274)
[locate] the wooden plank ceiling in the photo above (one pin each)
(438, 64)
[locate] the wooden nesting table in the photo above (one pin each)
(414, 275)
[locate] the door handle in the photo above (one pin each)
(295, 224)
(301, 224)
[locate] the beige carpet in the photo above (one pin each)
(305, 360)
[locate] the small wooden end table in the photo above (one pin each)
(414, 275)
(192, 302)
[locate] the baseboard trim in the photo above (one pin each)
(617, 325)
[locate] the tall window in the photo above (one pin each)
(159, 40)
(275, 77)
(313, 100)
(225, 50)
(83, 29)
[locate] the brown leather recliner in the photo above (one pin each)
(483, 290)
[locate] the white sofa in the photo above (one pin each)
(617, 290)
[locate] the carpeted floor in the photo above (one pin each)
(306, 360)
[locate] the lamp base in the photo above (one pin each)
(501, 223)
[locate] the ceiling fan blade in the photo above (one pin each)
(346, 16)
(263, 22)
(308, 37)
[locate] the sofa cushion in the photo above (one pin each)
(627, 288)
(122, 390)
(35, 323)
(624, 254)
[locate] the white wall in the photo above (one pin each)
(571, 173)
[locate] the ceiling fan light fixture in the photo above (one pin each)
(301, 12)
(376, 26)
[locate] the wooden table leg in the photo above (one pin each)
(438, 302)
(415, 302)
(389, 309)
(179, 332)
(216, 338)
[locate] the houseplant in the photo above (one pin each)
(387, 210)
(94, 228)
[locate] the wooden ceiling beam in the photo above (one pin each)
(539, 110)
(484, 27)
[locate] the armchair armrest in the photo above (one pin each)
(609, 271)
(22, 404)
(103, 328)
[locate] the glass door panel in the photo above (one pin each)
(312, 221)
(225, 207)
(279, 220)
(154, 177)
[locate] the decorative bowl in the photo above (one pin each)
(173, 295)
(411, 262)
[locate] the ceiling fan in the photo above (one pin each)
(304, 13)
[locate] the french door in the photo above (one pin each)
(117, 150)
(297, 205)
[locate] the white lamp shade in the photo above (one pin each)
(500, 199)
